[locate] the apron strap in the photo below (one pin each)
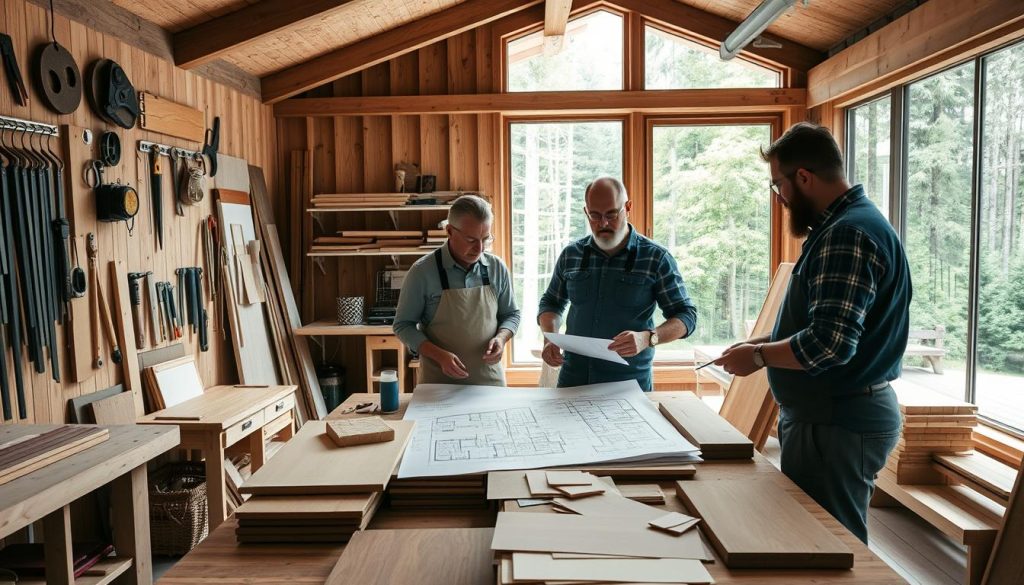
(483, 273)
(441, 272)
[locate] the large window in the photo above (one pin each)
(551, 164)
(868, 141)
(590, 58)
(712, 211)
(672, 62)
(999, 386)
(940, 114)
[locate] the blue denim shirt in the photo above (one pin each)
(609, 295)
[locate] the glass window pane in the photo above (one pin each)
(672, 62)
(712, 211)
(939, 137)
(551, 165)
(870, 130)
(590, 59)
(999, 383)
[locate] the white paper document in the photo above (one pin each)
(588, 346)
(473, 429)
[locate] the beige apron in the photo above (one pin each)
(465, 321)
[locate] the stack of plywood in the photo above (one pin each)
(315, 491)
(703, 427)
(371, 241)
(933, 424)
(438, 493)
(21, 456)
(358, 200)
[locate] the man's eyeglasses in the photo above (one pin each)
(474, 241)
(610, 217)
(775, 185)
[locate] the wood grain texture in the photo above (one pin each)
(757, 525)
(1007, 564)
(702, 426)
(164, 116)
(219, 407)
(116, 410)
(426, 558)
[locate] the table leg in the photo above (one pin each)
(258, 450)
(60, 569)
(214, 453)
(130, 510)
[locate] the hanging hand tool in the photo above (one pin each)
(161, 298)
(175, 318)
(176, 171)
(204, 333)
(156, 172)
(14, 80)
(104, 309)
(136, 299)
(212, 143)
(154, 314)
(180, 307)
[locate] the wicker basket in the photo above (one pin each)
(177, 508)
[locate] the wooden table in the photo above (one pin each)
(47, 494)
(219, 559)
(222, 417)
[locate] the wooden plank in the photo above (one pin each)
(177, 381)
(426, 557)
(35, 453)
(757, 525)
(542, 567)
(556, 16)
(116, 410)
(1007, 564)
(332, 507)
(702, 426)
(211, 39)
(359, 431)
(934, 35)
(79, 411)
(956, 511)
(310, 463)
(387, 45)
(173, 119)
(539, 103)
(132, 379)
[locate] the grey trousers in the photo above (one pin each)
(836, 467)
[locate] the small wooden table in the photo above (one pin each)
(47, 494)
(222, 417)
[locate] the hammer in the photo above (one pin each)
(136, 298)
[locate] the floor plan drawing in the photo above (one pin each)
(472, 429)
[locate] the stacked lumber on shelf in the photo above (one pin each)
(933, 424)
(316, 491)
(21, 456)
(373, 241)
(359, 200)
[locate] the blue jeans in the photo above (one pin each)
(836, 467)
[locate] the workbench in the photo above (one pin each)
(223, 416)
(47, 493)
(221, 560)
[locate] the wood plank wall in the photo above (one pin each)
(247, 130)
(359, 154)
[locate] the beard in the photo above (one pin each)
(608, 239)
(802, 213)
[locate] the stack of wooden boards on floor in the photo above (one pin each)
(316, 491)
(933, 424)
(704, 428)
(21, 456)
(375, 241)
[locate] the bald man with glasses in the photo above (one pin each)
(612, 281)
(456, 308)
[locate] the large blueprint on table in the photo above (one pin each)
(473, 429)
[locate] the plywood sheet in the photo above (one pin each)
(177, 381)
(703, 427)
(416, 556)
(543, 567)
(310, 463)
(333, 507)
(29, 453)
(116, 410)
(80, 412)
(755, 524)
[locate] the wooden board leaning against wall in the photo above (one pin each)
(246, 131)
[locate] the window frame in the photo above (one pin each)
(898, 180)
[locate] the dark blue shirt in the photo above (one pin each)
(609, 295)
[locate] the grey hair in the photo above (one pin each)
(471, 205)
(620, 188)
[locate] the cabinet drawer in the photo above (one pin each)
(279, 407)
(243, 428)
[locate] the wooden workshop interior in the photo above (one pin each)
(209, 209)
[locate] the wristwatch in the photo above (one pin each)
(758, 358)
(654, 337)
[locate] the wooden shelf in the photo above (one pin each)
(329, 327)
(388, 208)
(372, 253)
(112, 567)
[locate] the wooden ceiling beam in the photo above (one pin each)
(209, 40)
(683, 101)
(556, 16)
(387, 45)
(714, 29)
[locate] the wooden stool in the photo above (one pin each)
(376, 347)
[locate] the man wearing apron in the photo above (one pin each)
(612, 281)
(456, 308)
(841, 331)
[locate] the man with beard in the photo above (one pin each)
(613, 280)
(841, 331)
